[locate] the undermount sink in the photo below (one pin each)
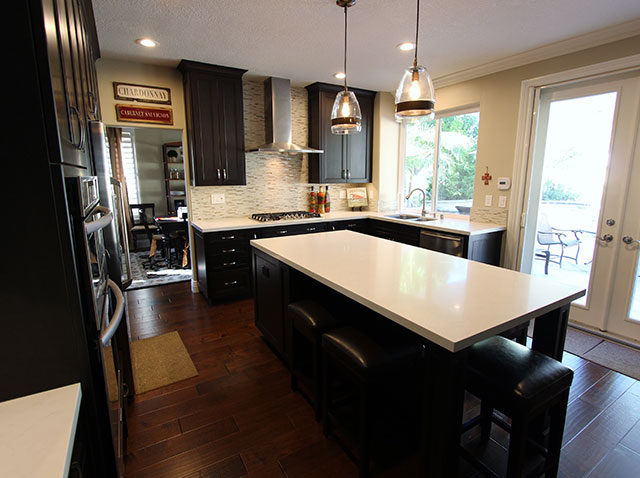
(424, 219)
(402, 216)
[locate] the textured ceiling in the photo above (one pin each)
(303, 39)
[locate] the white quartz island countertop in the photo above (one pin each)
(448, 300)
(458, 226)
(37, 433)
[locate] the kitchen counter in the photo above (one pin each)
(37, 433)
(458, 226)
(450, 301)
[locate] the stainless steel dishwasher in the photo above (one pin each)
(442, 242)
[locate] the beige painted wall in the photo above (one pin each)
(383, 192)
(499, 97)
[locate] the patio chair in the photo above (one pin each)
(548, 236)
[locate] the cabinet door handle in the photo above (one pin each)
(218, 170)
(348, 174)
(233, 282)
(226, 251)
(227, 238)
(265, 271)
(93, 103)
(227, 264)
(344, 174)
(77, 145)
(224, 174)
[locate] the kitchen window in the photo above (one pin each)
(439, 156)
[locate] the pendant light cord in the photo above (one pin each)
(345, 48)
(415, 51)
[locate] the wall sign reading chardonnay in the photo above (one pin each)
(143, 93)
(144, 114)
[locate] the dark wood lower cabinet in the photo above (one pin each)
(224, 264)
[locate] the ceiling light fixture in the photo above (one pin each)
(148, 42)
(406, 46)
(346, 117)
(340, 76)
(414, 96)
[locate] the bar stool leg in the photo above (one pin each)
(364, 431)
(486, 414)
(317, 360)
(292, 363)
(326, 390)
(517, 448)
(557, 415)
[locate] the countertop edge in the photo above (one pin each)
(490, 228)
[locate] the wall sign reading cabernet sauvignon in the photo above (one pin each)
(144, 114)
(143, 93)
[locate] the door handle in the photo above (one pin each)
(630, 240)
(117, 314)
(224, 174)
(218, 170)
(348, 174)
(605, 238)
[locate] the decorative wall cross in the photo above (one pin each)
(486, 177)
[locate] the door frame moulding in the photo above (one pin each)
(524, 136)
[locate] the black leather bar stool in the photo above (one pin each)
(373, 366)
(309, 320)
(524, 385)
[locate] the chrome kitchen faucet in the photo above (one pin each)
(424, 200)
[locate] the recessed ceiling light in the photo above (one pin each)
(340, 76)
(148, 42)
(406, 46)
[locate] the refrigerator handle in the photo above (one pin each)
(109, 332)
(101, 223)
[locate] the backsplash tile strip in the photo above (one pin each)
(275, 182)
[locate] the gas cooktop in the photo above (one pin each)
(278, 216)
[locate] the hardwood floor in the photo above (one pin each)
(238, 417)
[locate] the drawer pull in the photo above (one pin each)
(227, 251)
(227, 264)
(351, 225)
(284, 231)
(311, 229)
(233, 282)
(227, 238)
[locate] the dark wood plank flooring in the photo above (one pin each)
(238, 417)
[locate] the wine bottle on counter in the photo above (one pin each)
(327, 201)
(313, 202)
(320, 200)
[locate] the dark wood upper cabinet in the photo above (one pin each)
(346, 158)
(215, 123)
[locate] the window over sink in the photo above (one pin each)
(438, 155)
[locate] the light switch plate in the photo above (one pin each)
(502, 201)
(488, 200)
(217, 198)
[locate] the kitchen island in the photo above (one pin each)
(450, 302)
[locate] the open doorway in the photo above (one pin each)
(150, 162)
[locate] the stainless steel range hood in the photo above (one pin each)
(277, 112)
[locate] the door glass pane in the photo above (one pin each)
(634, 309)
(457, 163)
(418, 161)
(576, 156)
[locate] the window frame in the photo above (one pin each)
(460, 110)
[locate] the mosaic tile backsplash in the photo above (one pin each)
(275, 182)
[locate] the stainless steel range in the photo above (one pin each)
(283, 216)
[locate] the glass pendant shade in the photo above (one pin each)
(346, 117)
(415, 96)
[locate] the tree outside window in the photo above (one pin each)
(447, 147)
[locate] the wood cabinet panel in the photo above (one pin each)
(215, 123)
(346, 158)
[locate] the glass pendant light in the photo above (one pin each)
(346, 117)
(414, 96)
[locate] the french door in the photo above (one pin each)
(581, 216)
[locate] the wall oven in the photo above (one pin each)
(103, 298)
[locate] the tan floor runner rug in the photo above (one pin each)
(159, 361)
